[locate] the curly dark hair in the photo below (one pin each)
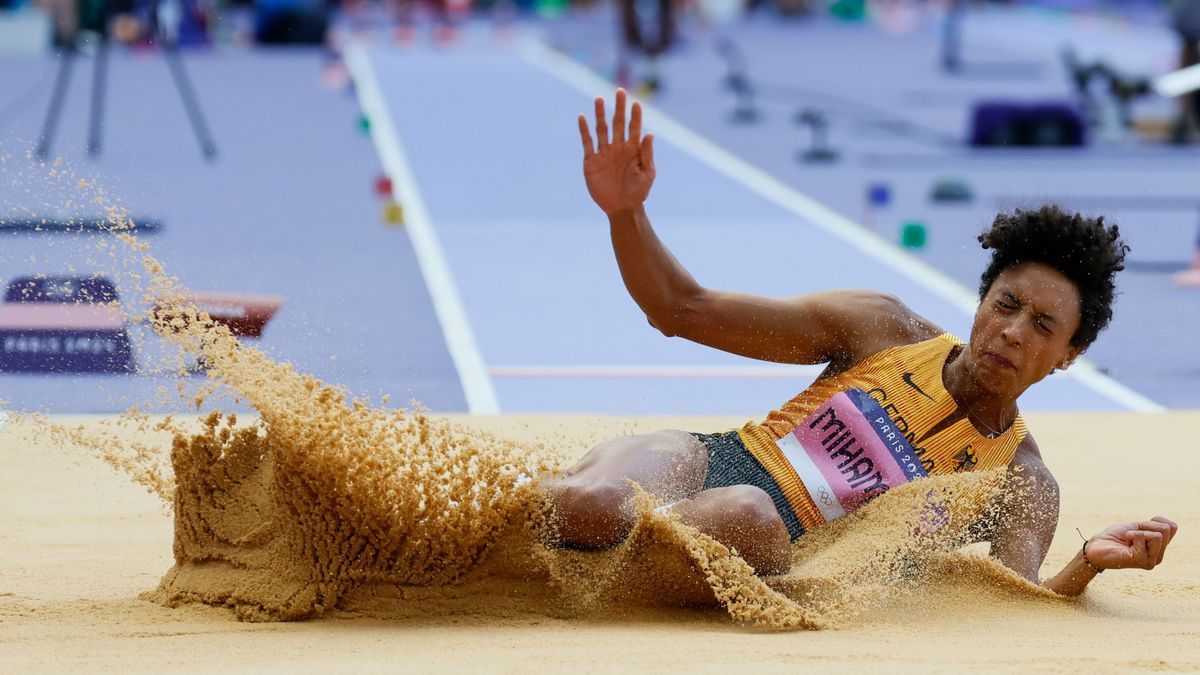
(1085, 250)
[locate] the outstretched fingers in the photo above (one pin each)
(618, 131)
(601, 123)
(635, 123)
(603, 139)
(646, 154)
(585, 134)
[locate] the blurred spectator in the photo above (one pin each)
(66, 19)
(647, 28)
(291, 21)
(183, 22)
(444, 13)
(1191, 276)
(1185, 18)
(656, 11)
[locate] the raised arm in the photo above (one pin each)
(831, 326)
(1027, 521)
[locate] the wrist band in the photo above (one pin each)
(1095, 569)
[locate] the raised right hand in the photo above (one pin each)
(619, 171)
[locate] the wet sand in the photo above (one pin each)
(80, 545)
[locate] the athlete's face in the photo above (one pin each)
(1023, 328)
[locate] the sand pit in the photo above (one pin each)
(83, 545)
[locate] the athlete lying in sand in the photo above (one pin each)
(898, 400)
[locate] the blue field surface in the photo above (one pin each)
(487, 132)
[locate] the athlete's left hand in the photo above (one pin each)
(619, 170)
(1141, 543)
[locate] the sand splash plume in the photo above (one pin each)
(324, 495)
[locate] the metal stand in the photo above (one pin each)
(952, 36)
(1122, 91)
(191, 105)
(170, 44)
(99, 79)
(66, 59)
(737, 81)
(818, 151)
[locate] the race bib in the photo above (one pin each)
(848, 452)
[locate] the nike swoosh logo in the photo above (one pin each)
(907, 377)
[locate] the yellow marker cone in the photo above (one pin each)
(393, 213)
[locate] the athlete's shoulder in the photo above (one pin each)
(1028, 459)
(884, 322)
(1031, 481)
(892, 324)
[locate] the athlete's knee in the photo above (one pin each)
(754, 527)
(753, 509)
(589, 514)
(669, 438)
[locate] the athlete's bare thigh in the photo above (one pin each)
(669, 464)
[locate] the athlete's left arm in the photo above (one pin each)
(1025, 525)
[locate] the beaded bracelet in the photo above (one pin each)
(1095, 569)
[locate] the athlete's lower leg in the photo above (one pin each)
(744, 518)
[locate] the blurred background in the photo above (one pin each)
(389, 195)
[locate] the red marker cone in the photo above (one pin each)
(383, 186)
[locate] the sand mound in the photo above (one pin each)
(81, 543)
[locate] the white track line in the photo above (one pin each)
(812, 211)
(468, 361)
(622, 371)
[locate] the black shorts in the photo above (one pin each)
(731, 463)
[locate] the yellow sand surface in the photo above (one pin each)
(80, 543)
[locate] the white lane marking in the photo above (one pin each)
(783, 372)
(468, 361)
(812, 211)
